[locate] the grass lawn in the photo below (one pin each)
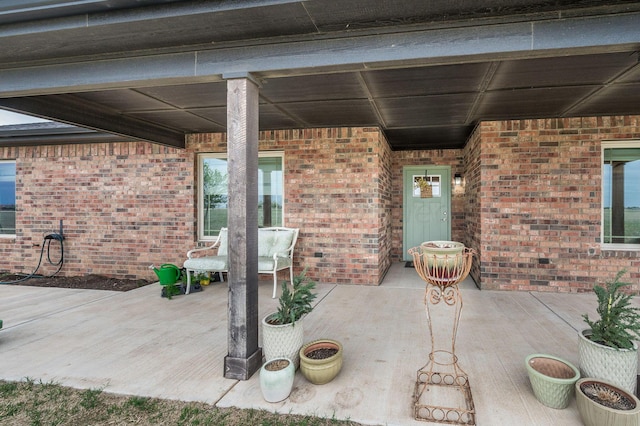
(36, 403)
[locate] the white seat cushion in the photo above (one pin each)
(266, 263)
(207, 263)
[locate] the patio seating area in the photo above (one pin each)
(137, 343)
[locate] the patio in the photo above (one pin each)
(138, 343)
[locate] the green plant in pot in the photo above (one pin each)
(607, 350)
(283, 331)
(203, 278)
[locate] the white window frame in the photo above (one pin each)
(16, 195)
(631, 143)
(223, 155)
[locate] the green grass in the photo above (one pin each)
(631, 224)
(216, 218)
(37, 403)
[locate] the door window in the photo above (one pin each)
(427, 186)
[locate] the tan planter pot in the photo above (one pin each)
(617, 366)
(320, 371)
(623, 409)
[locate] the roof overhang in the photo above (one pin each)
(424, 72)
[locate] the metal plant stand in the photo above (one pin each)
(441, 379)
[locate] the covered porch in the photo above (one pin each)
(424, 74)
(137, 343)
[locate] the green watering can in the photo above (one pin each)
(167, 274)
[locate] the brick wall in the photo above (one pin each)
(472, 187)
(385, 208)
(337, 193)
(127, 205)
(124, 206)
(530, 203)
(540, 203)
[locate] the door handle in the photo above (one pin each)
(444, 219)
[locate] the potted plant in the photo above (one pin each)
(552, 379)
(607, 349)
(282, 331)
(203, 278)
(276, 379)
(601, 403)
(321, 360)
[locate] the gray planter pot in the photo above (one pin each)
(617, 366)
(552, 379)
(601, 403)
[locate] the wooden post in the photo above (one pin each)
(244, 356)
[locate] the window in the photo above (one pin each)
(7, 197)
(621, 193)
(213, 195)
(426, 186)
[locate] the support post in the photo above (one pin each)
(244, 356)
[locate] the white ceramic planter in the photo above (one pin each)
(282, 341)
(276, 385)
(617, 366)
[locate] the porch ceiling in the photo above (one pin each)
(425, 102)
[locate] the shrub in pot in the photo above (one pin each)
(607, 350)
(283, 331)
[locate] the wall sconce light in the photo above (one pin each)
(457, 179)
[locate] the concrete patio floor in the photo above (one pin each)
(137, 343)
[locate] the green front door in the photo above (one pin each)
(426, 205)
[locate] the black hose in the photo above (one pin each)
(47, 242)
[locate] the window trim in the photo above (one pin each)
(200, 193)
(12, 236)
(612, 144)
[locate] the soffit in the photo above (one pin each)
(419, 104)
(418, 107)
